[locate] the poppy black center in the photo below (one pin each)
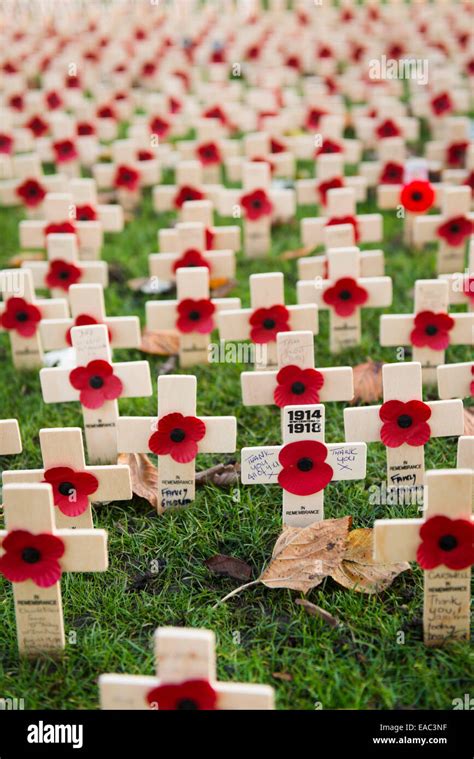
(96, 382)
(345, 295)
(431, 330)
(298, 388)
(22, 316)
(30, 555)
(417, 196)
(269, 323)
(404, 421)
(454, 228)
(186, 704)
(448, 542)
(66, 488)
(177, 435)
(305, 465)
(257, 203)
(32, 191)
(63, 274)
(127, 176)
(194, 316)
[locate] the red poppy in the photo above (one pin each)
(20, 316)
(329, 146)
(31, 192)
(37, 126)
(395, 50)
(296, 386)
(159, 126)
(313, 118)
(185, 193)
(64, 151)
(469, 180)
(417, 196)
(455, 231)
(71, 489)
(345, 296)
(174, 105)
(392, 173)
(191, 257)
(266, 323)
(331, 184)
(468, 288)
(256, 205)
(293, 62)
(6, 144)
(325, 52)
(148, 68)
(456, 153)
(446, 542)
(32, 557)
(387, 128)
(216, 112)
(86, 213)
(62, 274)
(442, 104)
(209, 238)
(16, 102)
(431, 330)
(97, 383)
(72, 82)
(84, 320)
(178, 437)
(345, 220)
(84, 129)
(145, 155)
(106, 112)
(404, 423)
(53, 101)
(195, 316)
(276, 146)
(190, 695)
(209, 154)
(304, 469)
(127, 177)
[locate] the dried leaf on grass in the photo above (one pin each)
(367, 382)
(469, 421)
(144, 476)
(17, 260)
(285, 677)
(316, 611)
(221, 286)
(163, 342)
(290, 255)
(358, 570)
(222, 475)
(229, 566)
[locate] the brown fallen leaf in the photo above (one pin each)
(367, 382)
(222, 475)
(222, 287)
(469, 421)
(164, 342)
(304, 556)
(285, 677)
(168, 366)
(229, 566)
(17, 260)
(290, 255)
(358, 570)
(144, 476)
(316, 611)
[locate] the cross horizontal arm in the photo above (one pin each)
(396, 329)
(396, 540)
(134, 375)
(365, 423)
(221, 434)
(258, 387)
(86, 550)
(134, 432)
(125, 331)
(10, 439)
(260, 466)
(125, 691)
(379, 291)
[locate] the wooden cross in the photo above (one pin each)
(371, 262)
(304, 465)
(404, 424)
(429, 330)
(84, 193)
(88, 307)
(464, 175)
(307, 386)
(126, 173)
(34, 556)
(26, 184)
(191, 315)
(60, 209)
(185, 679)
(452, 228)
(329, 175)
(266, 317)
(22, 314)
(257, 147)
(192, 251)
(177, 436)
(345, 293)
(441, 543)
(389, 121)
(97, 385)
(10, 439)
(461, 285)
(387, 170)
(220, 238)
(210, 148)
(341, 209)
(189, 185)
(450, 151)
(75, 485)
(259, 204)
(63, 268)
(465, 456)
(456, 380)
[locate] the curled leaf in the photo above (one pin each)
(221, 286)
(229, 566)
(144, 476)
(290, 255)
(367, 382)
(222, 475)
(164, 342)
(358, 570)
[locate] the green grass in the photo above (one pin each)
(262, 631)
